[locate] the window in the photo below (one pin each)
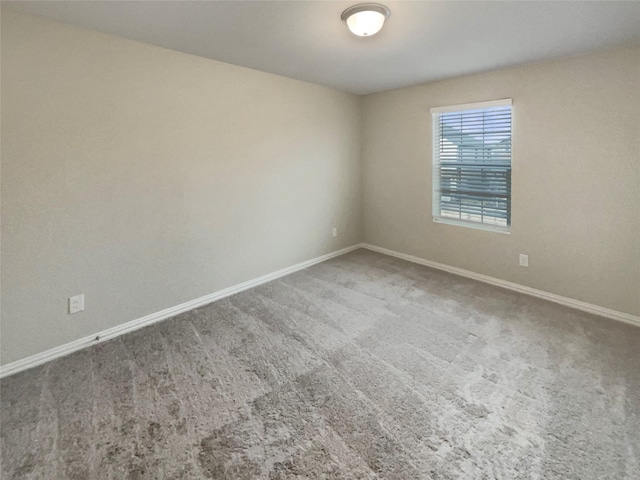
(472, 165)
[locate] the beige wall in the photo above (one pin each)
(145, 178)
(576, 177)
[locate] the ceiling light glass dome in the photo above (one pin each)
(365, 19)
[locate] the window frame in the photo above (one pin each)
(435, 162)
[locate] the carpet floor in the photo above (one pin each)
(361, 367)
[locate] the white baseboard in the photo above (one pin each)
(66, 349)
(552, 297)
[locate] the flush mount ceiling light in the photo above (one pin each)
(365, 19)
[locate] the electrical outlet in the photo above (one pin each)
(76, 304)
(524, 260)
(335, 232)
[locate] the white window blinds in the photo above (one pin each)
(472, 164)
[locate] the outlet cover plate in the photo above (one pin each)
(524, 260)
(76, 304)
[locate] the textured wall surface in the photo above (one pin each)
(145, 178)
(576, 177)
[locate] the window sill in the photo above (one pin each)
(474, 225)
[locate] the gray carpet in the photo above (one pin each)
(361, 367)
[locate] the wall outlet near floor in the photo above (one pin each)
(76, 304)
(335, 232)
(524, 260)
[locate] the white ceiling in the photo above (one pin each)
(422, 41)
